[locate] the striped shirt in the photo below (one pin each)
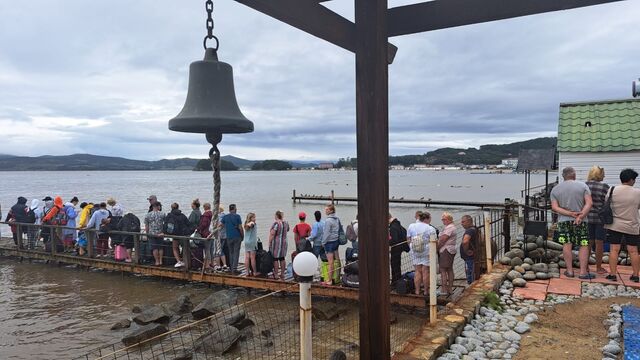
(598, 192)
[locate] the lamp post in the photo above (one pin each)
(305, 265)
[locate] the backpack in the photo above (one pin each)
(342, 237)
(129, 223)
(31, 216)
(417, 243)
(172, 225)
(351, 233)
(60, 218)
(605, 213)
(264, 261)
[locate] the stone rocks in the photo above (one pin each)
(215, 303)
(219, 341)
(540, 267)
(122, 324)
(512, 336)
(554, 245)
(530, 318)
(327, 310)
(511, 275)
(526, 266)
(519, 269)
(612, 349)
(182, 305)
(528, 261)
(530, 246)
(144, 333)
(505, 260)
(519, 282)
(542, 276)
(521, 327)
(516, 261)
(529, 275)
(228, 317)
(152, 314)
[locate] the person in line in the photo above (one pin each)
(250, 244)
(194, 217)
(18, 214)
(232, 223)
(203, 231)
(447, 252)
(352, 233)
(625, 204)
(331, 239)
(278, 244)
(69, 234)
(597, 233)
(418, 235)
(152, 200)
(98, 218)
(82, 221)
(57, 217)
(397, 244)
(316, 234)
(571, 200)
(417, 216)
(115, 208)
(468, 248)
(153, 227)
(45, 231)
(301, 232)
(221, 248)
(33, 231)
(180, 226)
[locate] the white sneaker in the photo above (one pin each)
(179, 264)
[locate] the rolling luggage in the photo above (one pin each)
(324, 271)
(120, 253)
(351, 280)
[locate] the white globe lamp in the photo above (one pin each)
(305, 265)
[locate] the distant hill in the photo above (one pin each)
(90, 162)
(240, 163)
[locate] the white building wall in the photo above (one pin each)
(612, 162)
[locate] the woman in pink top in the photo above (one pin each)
(447, 252)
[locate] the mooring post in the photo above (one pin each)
(487, 240)
(332, 196)
(306, 340)
(506, 226)
(19, 236)
(294, 196)
(136, 248)
(186, 254)
(54, 240)
(90, 242)
(433, 299)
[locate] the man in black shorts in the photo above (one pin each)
(571, 200)
(625, 202)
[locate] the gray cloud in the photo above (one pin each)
(105, 78)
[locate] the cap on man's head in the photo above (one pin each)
(232, 207)
(152, 197)
(47, 198)
(302, 215)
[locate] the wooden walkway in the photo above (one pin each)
(8, 249)
(422, 201)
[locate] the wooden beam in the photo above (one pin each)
(372, 137)
(315, 19)
(441, 14)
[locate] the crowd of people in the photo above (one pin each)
(593, 213)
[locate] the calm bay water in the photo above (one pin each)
(50, 312)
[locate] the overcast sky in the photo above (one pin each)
(104, 77)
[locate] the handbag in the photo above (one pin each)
(417, 243)
(605, 213)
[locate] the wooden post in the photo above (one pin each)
(19, 236)
(433, 300)
(487, 240)
(372, 125)
(136, 248)
(186, 254)
(332, 196)
(506, 227)
(294, 196)
(91, 241)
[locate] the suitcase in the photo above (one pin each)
(351, 280)
(324, 271)
(197, 257)
(120, 253)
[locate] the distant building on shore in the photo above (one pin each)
(603, 133)
(325, 166)
(511, 163)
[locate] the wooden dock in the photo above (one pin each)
(268, 284)
(426, 202)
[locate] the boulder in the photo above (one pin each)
(516, 261)
(510, 254)
(183, 354)
(554, 245)
(542, 276)
(540, 267)
(228, 317)
(605, 259)
(562, 264)
(519, 282)
(511, 275)
(530, 246)
(526, 266)
(144, 333)
(327, 310)
(592, 260)
(518, 253)
(122, 324)
(136, 309)
(519, 269)
(214, 303)
(152, 314)
(529, 275)
(242, 324)
(505, 260)
(182, 305)
(218, 341)
(540, 241)
(528, 261)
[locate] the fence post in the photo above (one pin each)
(506, 227)
(294, 196)
(186, 254)
(136, 247)
(487, 240)
(90, 242)
(332, 196)
(19, 236)
(433, 300)
(54, 240)
(305, 321)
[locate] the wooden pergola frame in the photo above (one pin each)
(367, 37)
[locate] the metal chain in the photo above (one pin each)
(208, 5)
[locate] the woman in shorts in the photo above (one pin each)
(447, 252)
(250, 244)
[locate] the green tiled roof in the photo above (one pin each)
(614, 126)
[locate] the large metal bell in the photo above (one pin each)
(211, 105)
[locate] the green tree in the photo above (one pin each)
(205, 165)
(272, 165)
